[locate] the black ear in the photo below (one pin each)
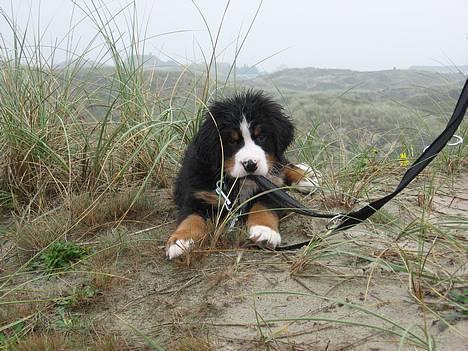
(284, 134)
(207, 143)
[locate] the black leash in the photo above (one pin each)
(345, 221)
(283, 201)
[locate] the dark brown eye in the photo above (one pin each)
(233, 137)
(260, 138)
(258, 135)
(230, 140)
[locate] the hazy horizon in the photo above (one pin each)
(360, 35)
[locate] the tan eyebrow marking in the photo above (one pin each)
(235, 135)
(257, 130)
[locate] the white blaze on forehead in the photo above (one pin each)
(249, 151)
(245, 131)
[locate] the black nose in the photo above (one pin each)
(250, 166)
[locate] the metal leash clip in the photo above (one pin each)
(334, 222)
(219, 190)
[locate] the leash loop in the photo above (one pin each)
(459, 140)
(455, 143)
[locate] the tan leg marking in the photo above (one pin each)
(303, 177)
(263, 226)
(261, 215)
(188, 231)
(293, 174)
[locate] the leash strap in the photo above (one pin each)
(351, 219)
(283, 201)
(280, 198)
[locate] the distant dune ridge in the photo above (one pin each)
(387, 101)
(442, 69)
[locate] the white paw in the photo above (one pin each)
(310, 182)
(178, 248)
(259, 233)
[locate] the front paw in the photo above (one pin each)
(310, 181)
(178, 247)
(191, 229)
(261, 233)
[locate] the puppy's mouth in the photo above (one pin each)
(241, 168)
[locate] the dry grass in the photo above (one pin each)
(108, 342)
(190, 343)
(44, 342)
(25, 235)
(81, 216)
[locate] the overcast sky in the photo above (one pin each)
(359, 34)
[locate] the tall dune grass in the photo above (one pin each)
(53, 143)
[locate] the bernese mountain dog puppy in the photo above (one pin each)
(246, 134)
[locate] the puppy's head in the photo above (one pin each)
(250, 132)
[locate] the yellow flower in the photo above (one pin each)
(404, 162)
